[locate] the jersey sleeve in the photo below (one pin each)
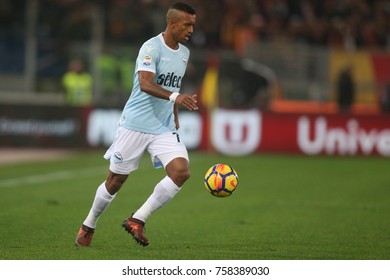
(148, 58)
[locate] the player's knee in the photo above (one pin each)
(114, 182)
(178, 170)
(185, 175)
(180, 176)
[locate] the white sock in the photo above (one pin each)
(164, 191)
(102, 200)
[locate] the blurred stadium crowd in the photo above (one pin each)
(65, 29)
(333, 23)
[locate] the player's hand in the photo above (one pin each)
(188, 101)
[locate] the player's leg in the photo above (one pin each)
(163, 192)
(177, 173)
(105, 193)
(174, 157)
(102, 200)
(178, 170)
(124, 156)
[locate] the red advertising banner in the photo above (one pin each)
(236, 132)
(42, 126)
(227, 131)
(326, 134)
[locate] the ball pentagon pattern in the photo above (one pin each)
(221, 180)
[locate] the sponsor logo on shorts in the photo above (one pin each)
(118, 157)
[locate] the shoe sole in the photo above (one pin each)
(140, 242)
(80, 245)
(77, 244)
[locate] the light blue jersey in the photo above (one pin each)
(144, 112)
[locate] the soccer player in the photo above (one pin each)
(149, 122)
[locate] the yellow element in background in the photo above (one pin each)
(126, 68)
(78, 87)
(107, 65)
(362, 72)
(209, 93)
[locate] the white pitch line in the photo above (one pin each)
(49, 177)
(57, 175)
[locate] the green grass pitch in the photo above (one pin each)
(285, 208)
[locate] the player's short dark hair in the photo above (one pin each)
(182, 7)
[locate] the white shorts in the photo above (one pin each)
(129, 145)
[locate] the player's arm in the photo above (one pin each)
(176, 115)
(148, 85)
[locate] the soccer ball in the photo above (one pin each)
(221, 180)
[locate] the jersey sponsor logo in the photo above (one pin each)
(184, 59)
(169, 80)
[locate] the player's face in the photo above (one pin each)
(183, 27)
